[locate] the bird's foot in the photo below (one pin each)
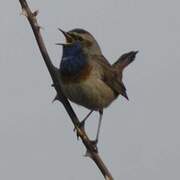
(81, 126)
(94, 144)
(94, 149)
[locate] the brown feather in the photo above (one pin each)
(81, 76)
(124, 60)
(110, 76)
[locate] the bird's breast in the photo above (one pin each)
(78, 77)
(87, 89)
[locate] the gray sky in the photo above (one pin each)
(139, 139)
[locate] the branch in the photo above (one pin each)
(53, 71)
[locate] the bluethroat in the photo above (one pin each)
(87, 78)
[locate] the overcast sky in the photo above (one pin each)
(139, 138)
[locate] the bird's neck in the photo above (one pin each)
(73, 61)
(94, 49)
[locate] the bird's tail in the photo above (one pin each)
(119, 66)
(124, 61)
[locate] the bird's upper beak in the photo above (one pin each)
(67, 35)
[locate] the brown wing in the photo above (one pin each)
(110, 76)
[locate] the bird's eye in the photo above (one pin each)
(80, 38)
(76, 37)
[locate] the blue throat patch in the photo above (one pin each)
(73, 59)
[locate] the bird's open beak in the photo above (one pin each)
(67, 35)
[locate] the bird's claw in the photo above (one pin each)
(94, 144)
(89, 153)
(81, 126)
(95, 149)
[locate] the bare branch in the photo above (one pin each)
(53, 71)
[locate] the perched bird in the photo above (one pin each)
(87, 78)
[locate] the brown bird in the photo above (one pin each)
(87, 78)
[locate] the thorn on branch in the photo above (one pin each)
(35, 13)
(88, 154)
(56, 99)
(24, 12)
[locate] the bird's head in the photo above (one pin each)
(87, 41)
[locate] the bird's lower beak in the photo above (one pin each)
(63, 44)
(68, 37)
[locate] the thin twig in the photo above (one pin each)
(53, 71)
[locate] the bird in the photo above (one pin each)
(87, 78)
